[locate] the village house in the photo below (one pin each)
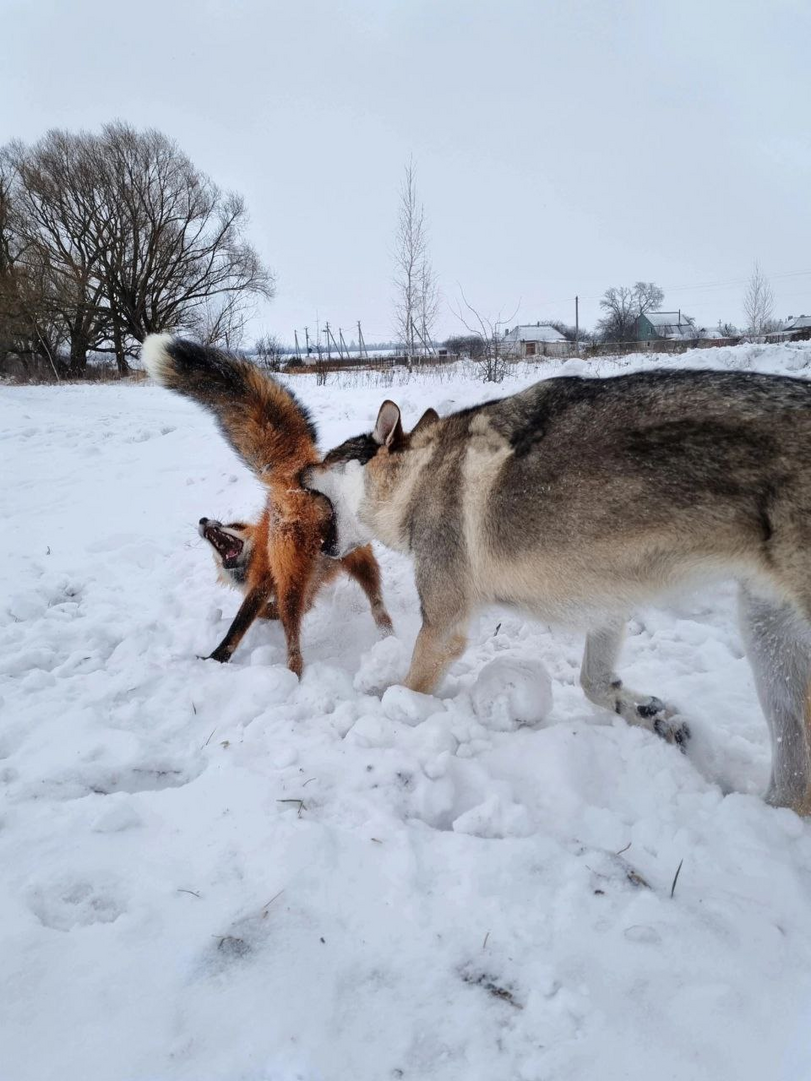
(658, 326)
(536, 340)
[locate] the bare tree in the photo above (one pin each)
(127, 238)
(494, 354)
(623, 307)
(29, 334)
(417, 296)
(269, 353)
(573, 334)
(466, 345)
(177, 257)
(60, 249)
(758, 303)
(429, 300)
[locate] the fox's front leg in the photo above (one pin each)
(248, 611)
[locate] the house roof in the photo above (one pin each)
(802, 322)
(668, 319)
(536, 332)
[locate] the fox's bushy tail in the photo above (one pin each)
(262, 420)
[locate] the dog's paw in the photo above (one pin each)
(669, 728)
(655, 715)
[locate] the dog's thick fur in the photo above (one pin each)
(272, 433)
(579, 499)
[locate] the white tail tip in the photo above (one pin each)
(155, 356)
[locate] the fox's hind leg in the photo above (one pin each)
(364, 568)
(602, 686)
(778, 646)
(271, 610)
(293, 567)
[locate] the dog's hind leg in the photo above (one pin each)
(778, 645)
(602, 686)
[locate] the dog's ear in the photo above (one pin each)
(388, 431)
(429, 417)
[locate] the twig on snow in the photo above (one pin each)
(676, 878)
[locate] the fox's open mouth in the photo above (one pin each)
(229, 548)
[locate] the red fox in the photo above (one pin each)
(241, 553)
(277, 563)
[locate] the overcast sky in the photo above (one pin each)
(560, 147)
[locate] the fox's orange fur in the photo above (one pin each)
(253, 574)
(271, 431)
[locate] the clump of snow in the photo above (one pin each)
(409, 707)
(385, 663)
(509, 692)
(218, 872)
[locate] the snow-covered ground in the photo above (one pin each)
(215, 872)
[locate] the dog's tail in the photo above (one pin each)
(263, 421)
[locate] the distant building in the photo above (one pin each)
(801, 322)
(536, 340)
(653, 326)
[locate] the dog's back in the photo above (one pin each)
(622, 485)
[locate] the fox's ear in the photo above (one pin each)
(388, 429)
(429, 417)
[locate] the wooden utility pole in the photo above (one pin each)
(332, 340)
(361, 343)
(344, 346)
(307, 341)
(576, 322)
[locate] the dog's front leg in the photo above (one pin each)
(602, 686)
(436, 648)
(248, 611)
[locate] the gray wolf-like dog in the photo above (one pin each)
(577, 500)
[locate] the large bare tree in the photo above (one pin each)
(54, 221)
(623, 306)
(177, 257)
(417, 295)
(128, 237)
(758, 303)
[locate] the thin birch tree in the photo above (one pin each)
(416, 293)
(758, 303)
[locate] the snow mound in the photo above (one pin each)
(509, 693)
